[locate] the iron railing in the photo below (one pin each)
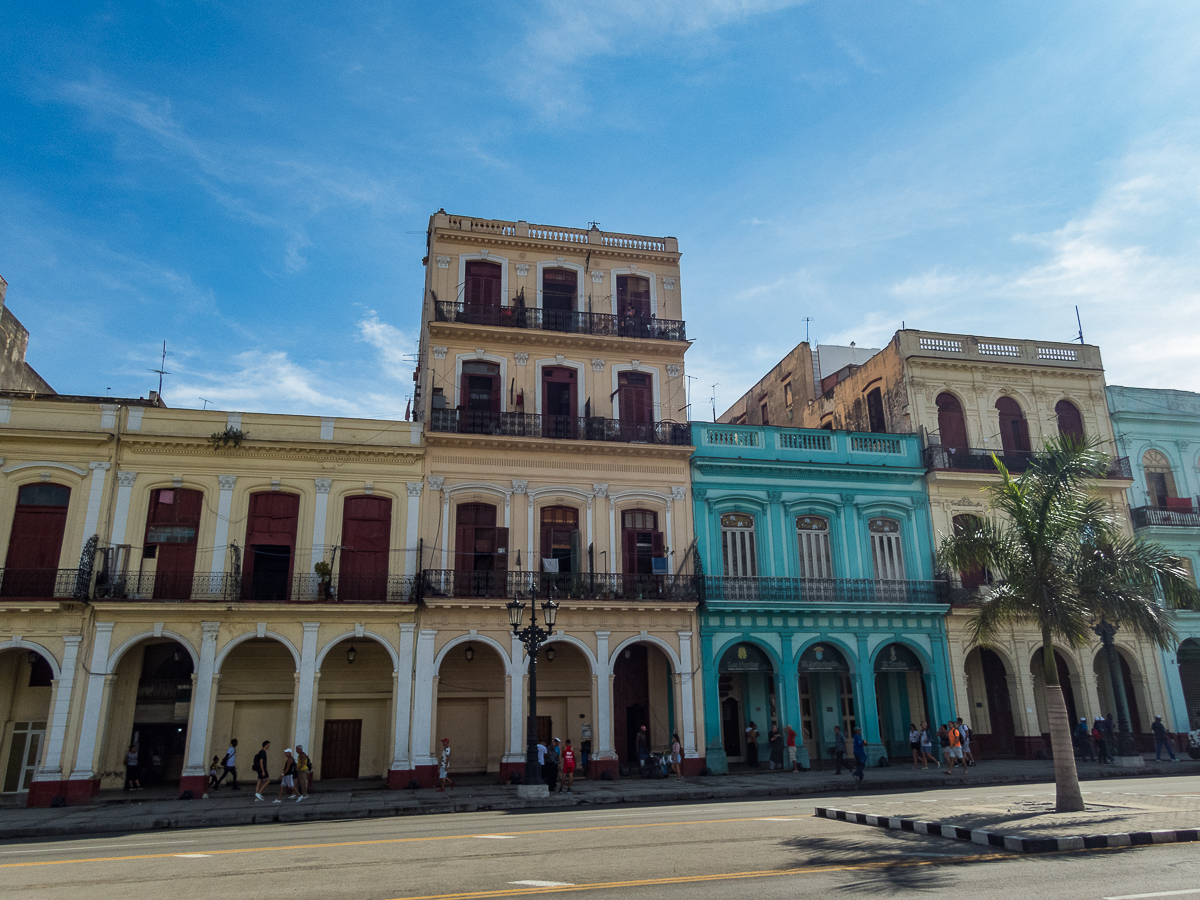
(161, 691)
(825, 591)
(167, 586)
(564, 585)
(566, 321)
(56, 583)
(570, 428)
(976, 459)
(355, 589)
(1146, 516)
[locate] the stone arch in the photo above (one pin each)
(845, 649)
(647, 639)
(593, 663)
(115, 658)
(351, 635)
(23, 644)
(251, 635)
(473, 639)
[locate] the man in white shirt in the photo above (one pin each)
(444, 767)
(230, 765)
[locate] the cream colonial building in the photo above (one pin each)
(552, 391)
(969, 397)
(202, 618)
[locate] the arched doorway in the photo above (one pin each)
(643, 697)
(1066, 681)
(990, 713)
(900, 696)
(471, 690)
(1188, 656)
(1014, 430)
(564, 693)
(254, 702)
(25, 685)
(826, 698)
(1138, 724)
(149, 706)
(746, 685)
(952, 426)
(1070, 420)
(352, 733)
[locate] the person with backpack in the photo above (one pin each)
(965, 730)
(954, 750)
(1083, 740)
(914, 743)
(1098, 741)
(229, 764)
(288, 780)
(303, 771)
(927, 746)
(260, 769)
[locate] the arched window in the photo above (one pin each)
(1014, 430)
(737, 545)
(875, 417)
(952, 427)
(1160, 481)
(971, 578)
(887, 552)
(560, 539)
(812, 533)
(1070, 421)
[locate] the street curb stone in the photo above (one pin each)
(1011, 842)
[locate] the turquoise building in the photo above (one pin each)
(820, 608)
(1159, 430)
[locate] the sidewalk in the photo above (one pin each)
(158, 809)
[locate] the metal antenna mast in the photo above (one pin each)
(807, 319)
(714, 401)
(1079, 322)
(162, 368)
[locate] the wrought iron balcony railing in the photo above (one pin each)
(61, 584)
(564, 428)
(566, 321)
(976, 459)
(566, 585)
(1147, 516)
(170, 586)
(824, 591)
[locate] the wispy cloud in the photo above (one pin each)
(396, 348)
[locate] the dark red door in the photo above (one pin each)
(952, 428)
(171, 527)
(480, 551)
(479, 409)
(558, 402)
(635, 404)
(366, 533)
(558, 299)
(1014, 430)
(270, 546)
(641, 541)
(1070, 422)
(481, 293)
(39, 522)
(341, 748)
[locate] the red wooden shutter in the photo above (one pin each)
(501, 550)
(464, 548)
(629, 551)
(657, 544)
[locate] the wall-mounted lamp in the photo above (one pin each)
(549, 654)
(33, 657)
(350, 654)
(628, 653)
(469, 653)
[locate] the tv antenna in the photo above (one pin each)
(714, 401)
(806, 320)
(690, 379)
(162, 368)
(1079, 322)
(206, 402)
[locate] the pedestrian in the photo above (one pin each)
(260, 769)
(752, 745)
(132, 782)
(944, 744)
(793, 763)
(229, 763)
(444, 779)
(553, 757)
(1110, 741)
(1194, 741)
(955, 749)
(1083, 740)
(965, 730)
(927, 746)
(303, 771)
(775, 741)
(287, 781)
(860, 756)
(585, 753)
(839, 750)
(914, 743)
(642, 746)
(1098, 741)
(213, 778)
(541, 754)
(568, 767)
(1161, 740)
(677, 756)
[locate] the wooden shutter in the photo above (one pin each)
(657, 544)
(629, 551)
(952, 428)
(501, 555)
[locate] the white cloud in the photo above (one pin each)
(396, 348)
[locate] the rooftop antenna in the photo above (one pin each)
(206, 402)
(595, 225)
(690, 379)
(807, 319)
(1079, 322)
(714, 402)
(162, 368)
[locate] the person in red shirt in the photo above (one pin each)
(791, 749)
(568, 767)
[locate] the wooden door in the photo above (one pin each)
(341, 748)
(559, 400)
(39, 522)
(635, 404)
(479, 398)
(366, 535)
(270, 546)
(952, 427)
(171, 527)
(1014, 430)
(995, 683)
(481, 293)
(558, 299)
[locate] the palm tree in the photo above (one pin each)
(1065, 565)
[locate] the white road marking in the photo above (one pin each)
(497, 837)
(62, 849)
(1157, 894)
(193, 855)
(777, 819)
(544, 883)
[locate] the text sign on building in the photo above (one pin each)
(822, 658)
(744, 658)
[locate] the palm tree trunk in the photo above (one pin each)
(1066, 779)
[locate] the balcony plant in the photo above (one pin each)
(230, 437)
(324, 572)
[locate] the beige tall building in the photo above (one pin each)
(552, 392)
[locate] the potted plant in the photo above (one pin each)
(324, 576)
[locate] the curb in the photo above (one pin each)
(1010, 842)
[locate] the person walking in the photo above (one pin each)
(132, 781)
(260, 769)
(839, 750)
(568, 767)
(287, 781)
(860, 756)
(1161, 740)
(775, 741)
(752, 745)
(553, 758)
(944, 744)
(914, 742)
(793, 764)
(1098, 742)
(444, 779)
(642, 745)
(1083, 740)
(927, 746)
(303, 771)
(965, 730)
(955, 749)
(229, 764)
(213, 778)
(677, 757)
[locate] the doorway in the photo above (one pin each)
(171, 526)
(559, 399)
(31, 567)
(480, 398)
(366, 531)
(480, 551)
(341, 748)
(635, 407)
(558, 299)
(270, 541)
(826, 697)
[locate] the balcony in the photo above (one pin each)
(563, 428)
(1178, 515)
(841, 592)
(584, 586)
(975, 459)
(564, 321)
(60, 584)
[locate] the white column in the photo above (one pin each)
(307, 685)
(121, 515)
(89, 728)
(319, 515)
(95, 494)
(402, 755)
(198, 723)
(221, 536)
(51, 768)
(422, 726)
(412, 531)
(604, 736)
(688, 711)
(517, 737)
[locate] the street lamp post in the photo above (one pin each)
(1126, 750)
(532, 637)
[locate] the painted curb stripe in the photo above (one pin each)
(1011, 842)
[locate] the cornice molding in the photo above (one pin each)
(491, 335)
(446, 440)
(476, 239)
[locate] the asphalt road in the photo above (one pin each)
(760, 849)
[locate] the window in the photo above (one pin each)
(1014, 430)
(560, 538)
(737, 545)
(480, 551)
(1070, 422)
(641, 541)
(633, 296)
(971, 578)
(270, 546)
(482, 288)
(886, 550)
(1160, 481)
(635, 404)
(813, 536)
(558, 298)
(952, 428)
(877, 423)
(35, 544)
(479, 397)
(766, 420)
(787, 395)
(558, 402)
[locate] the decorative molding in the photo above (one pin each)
(126, 479)
(520, 487)
(635, 364)
(600, 490)
(774, 496)
(678, 492)
(323, 485)
(521, 358)
(522, 269)
(439, 352)
(480, 353)
(560, 260)
(598, 276)
(597, 365)
(669, 284)
(436, 482)
(99, 465)
(633, 268)
(415, 488)
(673, 370)
(369, 488)
(227, 482)
(443, 262)
(848, 498)
(560, 358)
(699, 493)
(484, 253)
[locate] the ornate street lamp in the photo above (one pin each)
(532, 637)
(1106, 632)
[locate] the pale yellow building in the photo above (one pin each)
(552, 392)
(159, 588)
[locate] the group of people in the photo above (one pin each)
(1096, 742)
(954, 741)
(781, 743)
(296, 779)
(672, 760)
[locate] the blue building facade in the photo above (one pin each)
(1159, 430)
(820, 605)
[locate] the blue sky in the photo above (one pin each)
(244, 180)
